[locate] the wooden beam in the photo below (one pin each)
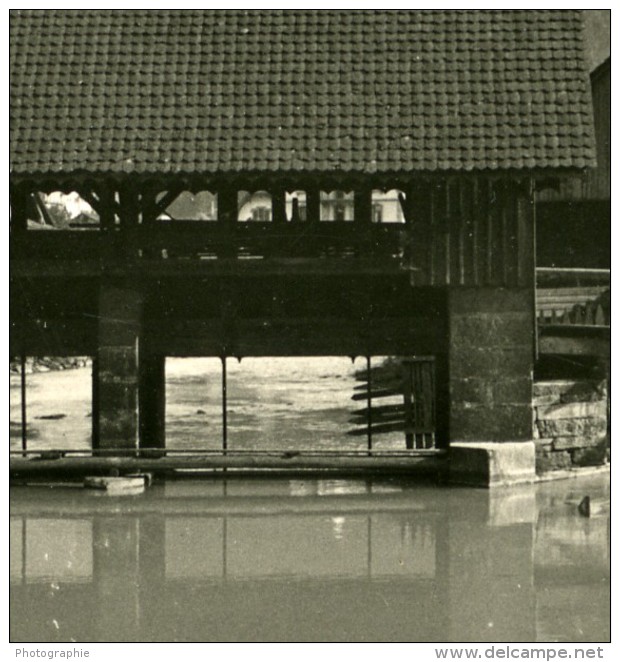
(419, 208)
(160, 206)
(295, 216)
(526, 265)
(489, 230)
(574, 346)
(313, 205)
(440, 274)
(23, 391)
(21, 467)
(19, 206)
(278, 205)
(96, 202)
(362, 205)
(42, 209)
(504, 201)
(95, 441)
(152, 400)
(227, 210)
(453, 232)
(478, 202)
(227, 214)
(108, 209)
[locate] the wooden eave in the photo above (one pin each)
(256, 180)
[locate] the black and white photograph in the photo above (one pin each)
(310, 330)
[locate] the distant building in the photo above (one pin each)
(573, 221)
(335, 206)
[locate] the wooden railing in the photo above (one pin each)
(573, 297)
(210, 239)
(407, 392)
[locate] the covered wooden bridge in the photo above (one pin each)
(465, 113)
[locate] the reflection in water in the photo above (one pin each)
(309, 560)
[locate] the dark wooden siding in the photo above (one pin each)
(595, 183)
(472, 232)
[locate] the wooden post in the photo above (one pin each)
(490, 200)
(369, 404)
(23, 400)
(95, 403)
(406, 369)
(227, 212)
(504, 202)
(362, 200)
(478, 213)
(152, 400)
(224, 405)
(295, 217)
(278, 205)
(526, 269)
(362, 210)
(129, 221)
(313, 216)
(19, 210)
(419, 206)
(451, 232)
(313, 205)
(440, 274)
(106, 209)
(110, 249)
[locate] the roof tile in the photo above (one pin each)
(204, 91)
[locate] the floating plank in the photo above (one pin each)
(116, 485)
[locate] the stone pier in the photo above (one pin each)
(491, 357)
(117, 368)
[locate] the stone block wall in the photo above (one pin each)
(570, 423)
(490, 365)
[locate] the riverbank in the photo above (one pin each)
(49, 364)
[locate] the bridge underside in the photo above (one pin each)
(480, 338)
(454, 282)
(215, 315)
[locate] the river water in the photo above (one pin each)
(308, 559)
(300, 558)
(271, 403)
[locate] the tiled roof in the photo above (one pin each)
(317, 90)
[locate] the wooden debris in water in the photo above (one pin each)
(117, 485)
(593, 507)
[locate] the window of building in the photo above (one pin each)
(377, 213)
(261, 214)
(188, 206)
(254, 206)
(386, 206)
(337, 206)
(60, 211)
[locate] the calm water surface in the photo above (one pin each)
(309, 559)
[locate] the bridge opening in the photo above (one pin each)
(194, 417)
(57, 210)
(51, 403)
(187, 206)
(299, 404)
